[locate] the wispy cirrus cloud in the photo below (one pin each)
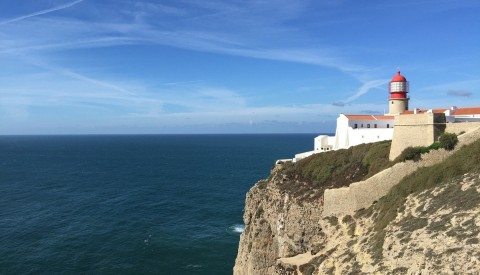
(57, 8)
(253, 29)
(365, 88)
(249, 29)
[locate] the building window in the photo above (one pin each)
(388, 125)
(362, 125)
(356, 125)
(368, 125)
(375, 126)
(392, 101)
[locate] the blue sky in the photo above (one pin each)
(132, 67)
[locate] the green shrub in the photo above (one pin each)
(412, 153)
(332, 220)
(434, 146)
(347, 219)
(307, 269)
(448, 141)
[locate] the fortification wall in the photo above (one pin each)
(362, 194)
(459, 127)
(416, 130)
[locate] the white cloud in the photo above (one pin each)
(249, 29)
(366, 87)
(20, 18)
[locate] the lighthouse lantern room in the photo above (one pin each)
(398, 100)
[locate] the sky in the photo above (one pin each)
(221, 66)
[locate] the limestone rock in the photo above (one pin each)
(437, 231)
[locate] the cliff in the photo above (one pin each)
(426, 222)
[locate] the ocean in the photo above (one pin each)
(130, 204)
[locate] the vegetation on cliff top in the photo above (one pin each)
(336, 169)
(446, 141)
(309, 177)
(342, 167)
(465, 160)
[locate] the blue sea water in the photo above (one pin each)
(141, 204)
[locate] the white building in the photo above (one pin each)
(357, 129)
(353, 130)
(453, 114)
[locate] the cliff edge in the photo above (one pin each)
(426, 222)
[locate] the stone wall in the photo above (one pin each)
(416, 130)
(459, 127)
(362, 194)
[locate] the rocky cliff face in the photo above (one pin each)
(277, 224)
(433, 231)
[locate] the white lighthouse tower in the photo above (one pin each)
(398, 100)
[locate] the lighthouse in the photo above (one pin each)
(398, 99)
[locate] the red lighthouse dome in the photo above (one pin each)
(398, 90)
(398, 86)
(399, 78)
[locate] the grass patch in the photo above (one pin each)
(351, 229)
(342, 167)
(285, 269)
(331, 270)
(335, 169)
(347, 219)
(364, 212)
(317, 248)
(412, 153)
(351, 225)
(332, 220)
(307, 269)
(472, 241)
(446, 141)
(465, 160)
(400, 270)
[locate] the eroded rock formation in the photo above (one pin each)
(433, 231)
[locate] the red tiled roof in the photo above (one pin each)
(368, 117)
(467, 111)
(435, 111)
(459, 111)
